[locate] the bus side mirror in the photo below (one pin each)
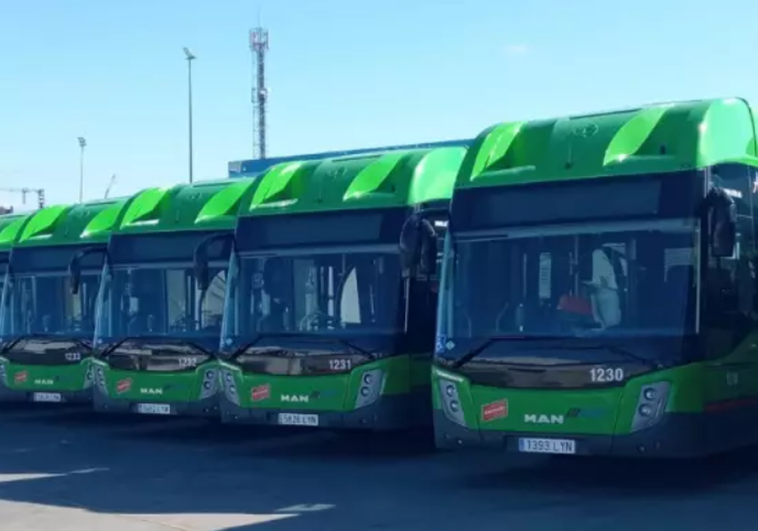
(428, 258)
(410, 244)
(723, 226)
(75, 273)
(200, 257)
(75, 266)
(418, 246)
(200, 264)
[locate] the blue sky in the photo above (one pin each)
(342, 74)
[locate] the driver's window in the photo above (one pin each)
(350, 312)
(45, 317)
(74, 309)
(80, 308)
(213, 301)
(104, 307)
(305, 273)
(143, 300)
(177, 293)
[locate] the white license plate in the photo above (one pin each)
(297, 419)
(547, 446)
(47, 397)
(154, 409)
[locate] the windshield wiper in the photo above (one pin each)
(471, 354)
(51, 337)
(566, 347)
(157, 341)
(615, 349)
(300, 335)
(110, 348)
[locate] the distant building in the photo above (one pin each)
(247, 168)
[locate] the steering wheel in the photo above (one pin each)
(185, 323)
(314, 320)
(75, 324)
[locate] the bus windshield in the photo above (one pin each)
(150, 300)
(606, 279)
(42, 304)
(322, 292)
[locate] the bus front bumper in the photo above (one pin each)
(387, 413)
(675, 436)
(207, 408)
(45, 396)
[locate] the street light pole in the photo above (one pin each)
(190, 57)
(82, 145)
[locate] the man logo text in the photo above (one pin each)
(151, 391)
(543, 419)
(299, 399)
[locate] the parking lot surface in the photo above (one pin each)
(73, 470)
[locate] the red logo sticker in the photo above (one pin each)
(21, 377)
(123, 386)
(495, 410)
(261, 392)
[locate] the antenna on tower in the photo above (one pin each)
(259, 93)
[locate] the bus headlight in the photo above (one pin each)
(230, 387)
(451, 402)
(210, 384)
(371, 388)
(651, 405)
(100, 380)
(89, 376)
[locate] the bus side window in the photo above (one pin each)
(350, 313)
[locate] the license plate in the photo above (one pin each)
(297, 419)
(47, 397)
(547, 446)
(154, 409)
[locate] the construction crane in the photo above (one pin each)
(24, 192)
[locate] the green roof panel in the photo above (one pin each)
(374, 180)
(659, 138)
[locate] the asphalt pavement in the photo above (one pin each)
(70, 469)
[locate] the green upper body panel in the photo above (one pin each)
(10, 227)
(84, 223)
(376, 180)
(658, 138)
(209, 205)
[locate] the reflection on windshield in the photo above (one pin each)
(356, 292)
(44, 305)
(617, 279)
(159, 301)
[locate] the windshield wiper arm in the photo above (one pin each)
(471, 354)
(110, 348)
(349, 344)
(52, 337)
(624, 353)
(156, 340)
(301, 335)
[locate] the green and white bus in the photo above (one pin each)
(598, 286)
